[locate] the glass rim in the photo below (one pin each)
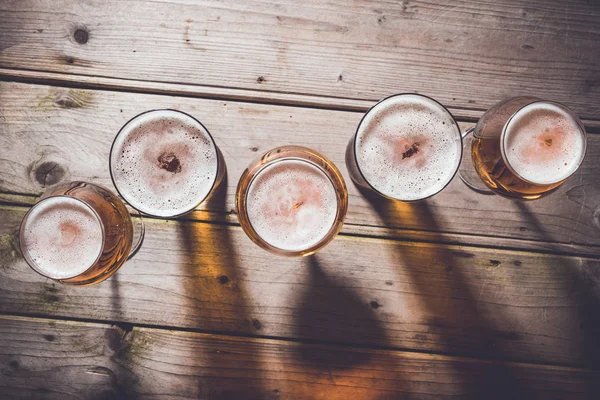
(354, 146)
(25, 251)
(214, 181)
(571, 114)
(338, 184)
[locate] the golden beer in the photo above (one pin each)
(78, 233)
(525, 147)
(165, 163)
(292, 201)
(407, 147)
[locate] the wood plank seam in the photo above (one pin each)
(128, 85)
(241, 95)
(392, 238)
(128, 327)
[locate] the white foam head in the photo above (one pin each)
(291, 204)
(543, 143)
(164, 163)
(408, 147)
(62, 236)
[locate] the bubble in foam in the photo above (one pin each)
(63, 236)
(408, 147)
(171, 163)
(543, 143)
(291, 204)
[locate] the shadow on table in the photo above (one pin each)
(455, 319)
(333, 313)
(115, 298)
(584, 284)
(214, 287)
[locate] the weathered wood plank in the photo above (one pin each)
(42, 127)
(70, 360)
(450, 299)
(218, 93)
(468, 54)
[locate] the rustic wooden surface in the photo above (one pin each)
(146, 363)
(463, 295)
(468, 54)
(392, 294)
(44, 126)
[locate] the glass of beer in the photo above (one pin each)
(524, 148)
(292, 201)
(78, 234)
(407, 147)
(165, 163)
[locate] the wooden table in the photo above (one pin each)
(462, 295)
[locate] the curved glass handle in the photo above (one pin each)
(466, 171)
(139, 229)
(468, 132)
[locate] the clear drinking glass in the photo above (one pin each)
(165, 163)
(292, 201)
(78, 233)
(523, 148)
(407, 147)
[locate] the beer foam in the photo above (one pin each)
(62, 236)
(543, 143)
(408, 147)
(291, 204)
(164, 163)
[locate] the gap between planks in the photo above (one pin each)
(93, 82)
(379, 233)
(128, 327)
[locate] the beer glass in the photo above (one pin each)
(407, 147)
(292, 201)
(78, 233)
(524, 148)
(165, 163)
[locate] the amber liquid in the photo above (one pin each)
(294, 153)
(489, 164)
(118, 229)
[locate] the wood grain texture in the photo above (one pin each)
(218, 93)
(71, 360)
(449, 299)
(467, 54)
(49, 134)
